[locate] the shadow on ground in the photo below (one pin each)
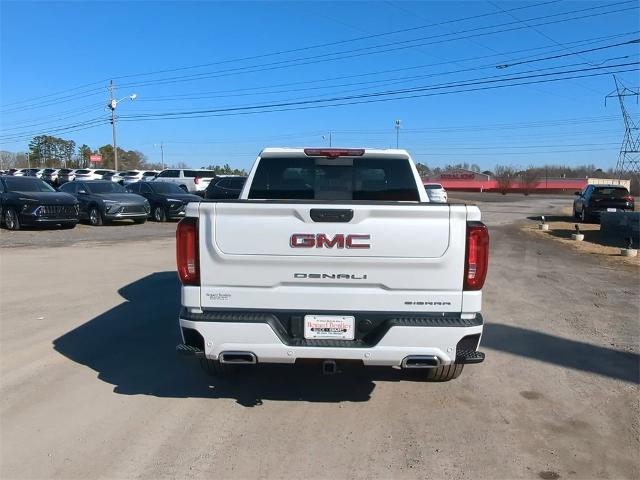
(552, 218)
(132, 346)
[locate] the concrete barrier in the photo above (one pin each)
(620, 225)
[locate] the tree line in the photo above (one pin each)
(46, 151)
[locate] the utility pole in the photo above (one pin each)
(162, 153)
(112, 105)
(28, 161)
(629, 156)
(398, 123)
(324, 137)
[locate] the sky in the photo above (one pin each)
(481, 82)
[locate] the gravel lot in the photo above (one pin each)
(91, 386)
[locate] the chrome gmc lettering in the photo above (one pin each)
(322, 240)
(332, 276)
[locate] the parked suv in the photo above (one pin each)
(103, 201)
(193, 181)
(50, 175)
(91, 174)
(132, 176)
(66, 175)
(595, 199)
(28, 201)
(225, 187)
(168, 201)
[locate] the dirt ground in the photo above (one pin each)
(91, 386)
(562, 225)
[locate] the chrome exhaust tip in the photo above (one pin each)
(246, 358)
(421, 361)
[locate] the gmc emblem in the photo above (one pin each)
(322, 240)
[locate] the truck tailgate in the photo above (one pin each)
(414, 260)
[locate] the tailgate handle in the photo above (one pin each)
(331, 215)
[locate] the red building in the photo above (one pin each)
(467, 180)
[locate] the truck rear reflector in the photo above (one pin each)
(334, 152)
(188, 261)
(477, 256)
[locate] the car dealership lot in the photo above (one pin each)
(91, 385)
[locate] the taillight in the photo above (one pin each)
(187, 251)
(334, 152)
(196, 180)
(629, 199)
(477, 256)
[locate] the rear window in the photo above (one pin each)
(82, 172)
(617, 192)
(237, 183)
(433, 187)
(65, 170)
(199, 173)
(374, 179)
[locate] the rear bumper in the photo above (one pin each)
(450, 338)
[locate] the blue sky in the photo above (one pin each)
(57, 59)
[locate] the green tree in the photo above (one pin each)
(127, 159)
(50, 151)
(84, 152)
(227, 169)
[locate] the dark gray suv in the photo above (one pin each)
(103, 201)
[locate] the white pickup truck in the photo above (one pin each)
(334, 255)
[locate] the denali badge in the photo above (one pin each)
(334, 276)
(322, 240)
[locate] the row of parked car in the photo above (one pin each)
(189, 180)
(26, 200)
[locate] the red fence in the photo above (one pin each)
(568, 185)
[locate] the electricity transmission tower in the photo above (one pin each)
(629, 157)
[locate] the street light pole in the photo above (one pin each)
(113, 103)
(161, 145)
(398, 122)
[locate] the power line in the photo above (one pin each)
(281, 52)
(394, 70)
(471, 82)
(359, 52)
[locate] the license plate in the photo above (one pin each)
(612, 209)
(334, 327)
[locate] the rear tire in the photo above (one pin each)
(215, 368)
(584, 218)
(444, 373)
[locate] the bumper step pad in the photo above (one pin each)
(466, 356)
(183, 349)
